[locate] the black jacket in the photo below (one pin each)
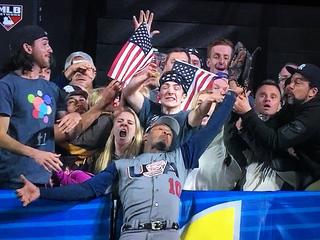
(246, 148)
(298, 128)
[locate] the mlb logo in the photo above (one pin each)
(10, 15)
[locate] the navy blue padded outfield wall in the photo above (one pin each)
(204, 215)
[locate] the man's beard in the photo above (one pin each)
(161, 146)
(293, 101)
(45, 64)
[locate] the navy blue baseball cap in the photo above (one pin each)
(172, 76)
(310, 71)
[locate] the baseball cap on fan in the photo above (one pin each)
(26, 34)
(73, 90)
(310, 71)
(78, 54)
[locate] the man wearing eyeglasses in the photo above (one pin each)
(284, 75)
(298, 130)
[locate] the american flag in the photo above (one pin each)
(196, 79)
(136, 54)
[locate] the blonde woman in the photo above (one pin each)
(125, 139)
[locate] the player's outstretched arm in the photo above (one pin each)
(94, 187)
(194, 148)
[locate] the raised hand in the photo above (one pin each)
(214, 95)
(108, 94)
(28, 193)
(242, 105)
(80, 66)
(69, 122)
(145, 17)
(50, 161)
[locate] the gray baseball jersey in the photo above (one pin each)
(150, 186)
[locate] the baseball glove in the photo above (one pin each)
(237, 63)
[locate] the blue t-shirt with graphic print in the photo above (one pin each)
(31, 105)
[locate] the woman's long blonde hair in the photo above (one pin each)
(95, 96)
(133, 149)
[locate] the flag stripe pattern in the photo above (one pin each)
(136, 54)
(196, 79)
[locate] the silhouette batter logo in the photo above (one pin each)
(10, 15)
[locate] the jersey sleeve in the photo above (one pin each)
(94, 187)
(102, 182)
(195, 146)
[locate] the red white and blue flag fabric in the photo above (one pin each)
(135, 55)
(196, 79)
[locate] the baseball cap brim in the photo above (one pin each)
(309, 71)
(292, 70)
(73, 55)
(78, 93)
(169, 121)
(72, 90)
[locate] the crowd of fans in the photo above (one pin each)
(63, 131)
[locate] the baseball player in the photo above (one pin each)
(149, 184)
